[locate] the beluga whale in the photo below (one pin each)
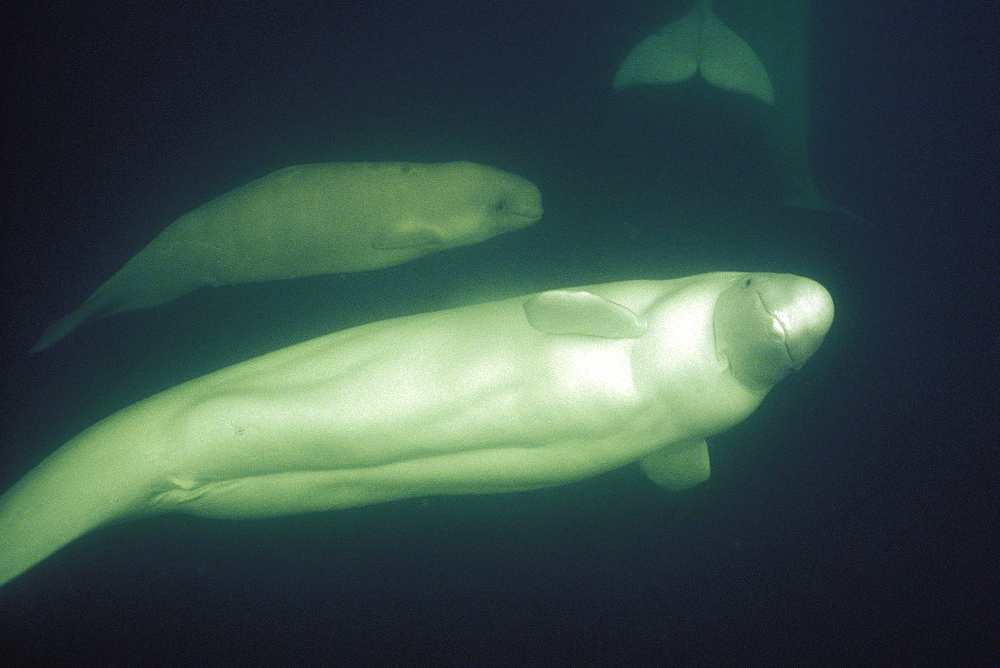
(519, 394)
(315, 219)
(769, 60)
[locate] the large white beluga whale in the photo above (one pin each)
(518, 394)
(315, 219)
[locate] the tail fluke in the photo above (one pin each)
(61, 328)
(698, 42)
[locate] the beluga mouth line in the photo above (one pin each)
(779, 325)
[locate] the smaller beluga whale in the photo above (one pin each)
(519, 394)
(697, 43)
(315, 219)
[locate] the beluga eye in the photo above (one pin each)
(500, 206)
(748, 283)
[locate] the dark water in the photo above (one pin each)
(851, 519)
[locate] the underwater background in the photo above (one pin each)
(851, 519)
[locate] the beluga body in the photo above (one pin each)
(518, 394)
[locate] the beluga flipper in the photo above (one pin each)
(697, 43)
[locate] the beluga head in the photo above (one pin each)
(768, 325)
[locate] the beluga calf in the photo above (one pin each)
(518, 394)
(315, 219)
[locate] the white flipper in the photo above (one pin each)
(678, 466)
(581, 312)
(697, 42)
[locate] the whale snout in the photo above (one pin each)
(802, 308)
(767, 325)
(524, 208)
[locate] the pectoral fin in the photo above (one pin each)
(678, 466)
(581, 312)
